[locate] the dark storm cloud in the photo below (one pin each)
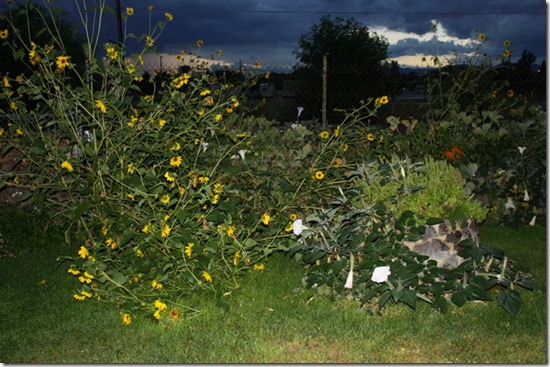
(270, 29)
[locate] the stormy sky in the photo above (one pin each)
(268, 30)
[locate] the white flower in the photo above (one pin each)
(204, 147)
(297, 227)
(521, 149)
(532, 222)
(294, 126)
(242, 152)
(349, 281)
(300, 109)
(526, 196)
(380, 274)
(509, 204)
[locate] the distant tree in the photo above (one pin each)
(526, 61)
(356, 62)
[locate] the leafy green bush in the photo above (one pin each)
(495, 136)
(359, 252)
(431, 189)
(140, 181)
(165, 189)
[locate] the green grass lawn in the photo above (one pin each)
(271, 318)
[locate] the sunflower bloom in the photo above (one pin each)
(324, 134)
(481, 36)
(180, 81)
(236, 258)
(67, 165)
(111, 243)
(176, 161)
(510, 93)
(156, 285)
(4, 34)
(189, 249)
(169, 177)
(169, 17)
(165, 231)
(73, 271)
(259, 266)
(266, 218)
(207, 276)
(200, 43)
(83, 252)
(319, 175)
(165, 199)
(126, 319)
(160, 305)
(101, 106)
(62, 62)
(129, 11)
(370, 137)
(231, 231)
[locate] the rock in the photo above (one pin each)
(440, 242)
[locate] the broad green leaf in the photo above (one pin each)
(119, 278)
(510, 301)
(409, 298)
(459, 298)
(80, 209)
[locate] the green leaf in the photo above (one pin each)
(134, 182)
(384, 299)
(434, 221)
(127, 235)
(306, 149)
(409, 298)
(526, 283)
(119, 278)
(80, 209)
(314, 256)
(249, 243)
(510, 301)
(459, 298)
(441, 303)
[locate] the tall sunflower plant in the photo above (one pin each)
(136, 175)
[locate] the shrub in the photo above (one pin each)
(358, 251)
(431, 189)
(139, 180)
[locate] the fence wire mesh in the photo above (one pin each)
(282, 88)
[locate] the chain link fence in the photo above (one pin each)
(282, 88)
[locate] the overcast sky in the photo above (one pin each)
(268, 30)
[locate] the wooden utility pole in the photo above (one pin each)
(324, 102)
(119, 23)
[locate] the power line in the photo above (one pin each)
(353, 12)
